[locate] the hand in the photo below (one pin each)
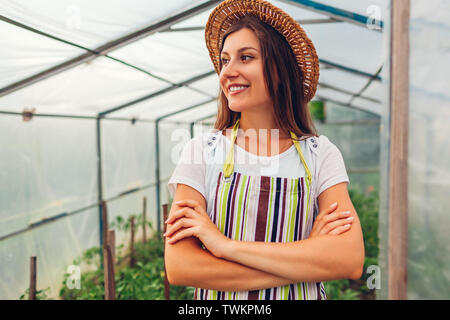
(330, 222)
(193, 220)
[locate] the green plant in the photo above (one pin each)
(367, 209)
(144, 281)
(340, 290)
(317, 109)
(40, 294)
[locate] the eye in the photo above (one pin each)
(244, 58)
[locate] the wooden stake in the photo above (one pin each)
(166, 281)
(144, 219)
(32, 291)
(112, 244)
(109, 277)
(105, 223)
(398, 175)
(132, 259)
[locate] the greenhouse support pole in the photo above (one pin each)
(158, 184)
(100, 188)
(398, 153)
(191, 128)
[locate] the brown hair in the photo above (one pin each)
(283, 77)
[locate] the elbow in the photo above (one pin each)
(357, 267)
(356, 273)
(171, 269)
(175, 277)
(176, 260)
(171, 276)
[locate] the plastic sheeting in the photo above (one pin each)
(357, 135)
(48, 165)
(429, 151)
(428, 157)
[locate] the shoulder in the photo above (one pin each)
(204, 143)
(324, 152)
(321, 145)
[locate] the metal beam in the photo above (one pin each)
(99, 187)
(21, 25)
(331, 64)
(46, 115)
(157, 171)
(338, 14)
(62, 215)
(107, 47)
(191, 125)
(343, 104)
(301, 22)
(157, 93)
(328, 86)
(359, 94)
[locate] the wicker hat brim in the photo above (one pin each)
(230, 11)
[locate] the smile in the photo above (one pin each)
(237, 90)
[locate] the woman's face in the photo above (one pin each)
(242, 69)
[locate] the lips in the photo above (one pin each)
(237, 88)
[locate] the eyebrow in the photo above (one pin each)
(240, 50)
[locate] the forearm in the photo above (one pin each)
(311, 260)
(187, 264)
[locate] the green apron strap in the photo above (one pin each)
(297, 145)
(229, 162)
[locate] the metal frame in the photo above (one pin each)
(104, 49)
(158, 184)
(301, 22)
(157, 93)
(339, 14)
(336, 15)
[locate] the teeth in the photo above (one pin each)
(232, 89)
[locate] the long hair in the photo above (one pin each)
(283, 77)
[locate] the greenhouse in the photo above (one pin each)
(98, 99)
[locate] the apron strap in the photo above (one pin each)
(229, 162)
(297, 146)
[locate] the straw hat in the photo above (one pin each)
(230, 11)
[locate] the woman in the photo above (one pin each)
(241, 230)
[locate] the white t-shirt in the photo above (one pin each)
(203, 157)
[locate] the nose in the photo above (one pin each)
(229, 70)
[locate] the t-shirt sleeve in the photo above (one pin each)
(330, 166)
(190, 169)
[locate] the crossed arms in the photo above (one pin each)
(252, 266)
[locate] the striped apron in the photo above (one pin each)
(262, 208)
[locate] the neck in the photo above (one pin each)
(260, 121)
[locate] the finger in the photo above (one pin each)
(183, 212)
(327, 210)
(335, 224)
(335, 216)
(341, 229)
(180, 223)
(191, 203)
(319, 223)
(189, 232)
